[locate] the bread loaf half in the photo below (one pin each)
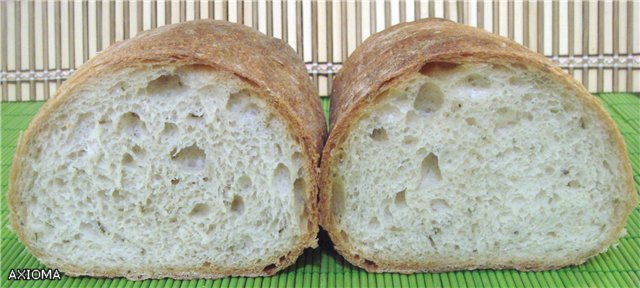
(189, 151)
(452, 148)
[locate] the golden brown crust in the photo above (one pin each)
(268, 65)
(399, 53)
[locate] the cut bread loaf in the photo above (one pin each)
(189, 151)
(452, 148)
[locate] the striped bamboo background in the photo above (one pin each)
(42, 42)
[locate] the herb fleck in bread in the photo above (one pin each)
(452, 148)
(189, 151)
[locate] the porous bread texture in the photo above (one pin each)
(163, 171)
(476, 166)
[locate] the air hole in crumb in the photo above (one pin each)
(411, 118)
(606, 165)
(297, 158)
(191, 157)
(340, 156)
(270, 269)
(175, 181)
(548, 170)
(77, 154)
(164, 85)
(83, 125)
(455, 108)
(236, 100)
(527, 115)
(500, 68)
(116, 194)
(281, 176)
(477, 80)
(400, 199)
(583, 123)
(169, 130)
(199, 114)
(282, 259)
(518, 81)
(409, 140)
(430, 171)
(130, 123)
(299, 186)
(519, 66)
(370, 263)
(237, 205)
(435, 69)
(58, 182)
(337, 197)
(305, 214)
(242, 102)
(553, 199)
(104, 120)
(387, 212)
(344, 236)
(374, 221)
(433, 243)
(103, 194)
(552, 234)
(196, 115)
(429, 98)
(528, 97)
(505, 117)
(574, 184)
(568, 106)
(440, 205)
(206, 264)
(210, 228)
(379, 134)
(127, 159)
(200, 210)
(138, 151)
(470, 121)
(244, 182)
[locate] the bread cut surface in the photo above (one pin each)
(467, 159)
(172, 168)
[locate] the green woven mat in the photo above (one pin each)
(322, 267)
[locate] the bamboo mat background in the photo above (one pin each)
(43, 42)
(322, 267)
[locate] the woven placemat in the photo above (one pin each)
(322, 267)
